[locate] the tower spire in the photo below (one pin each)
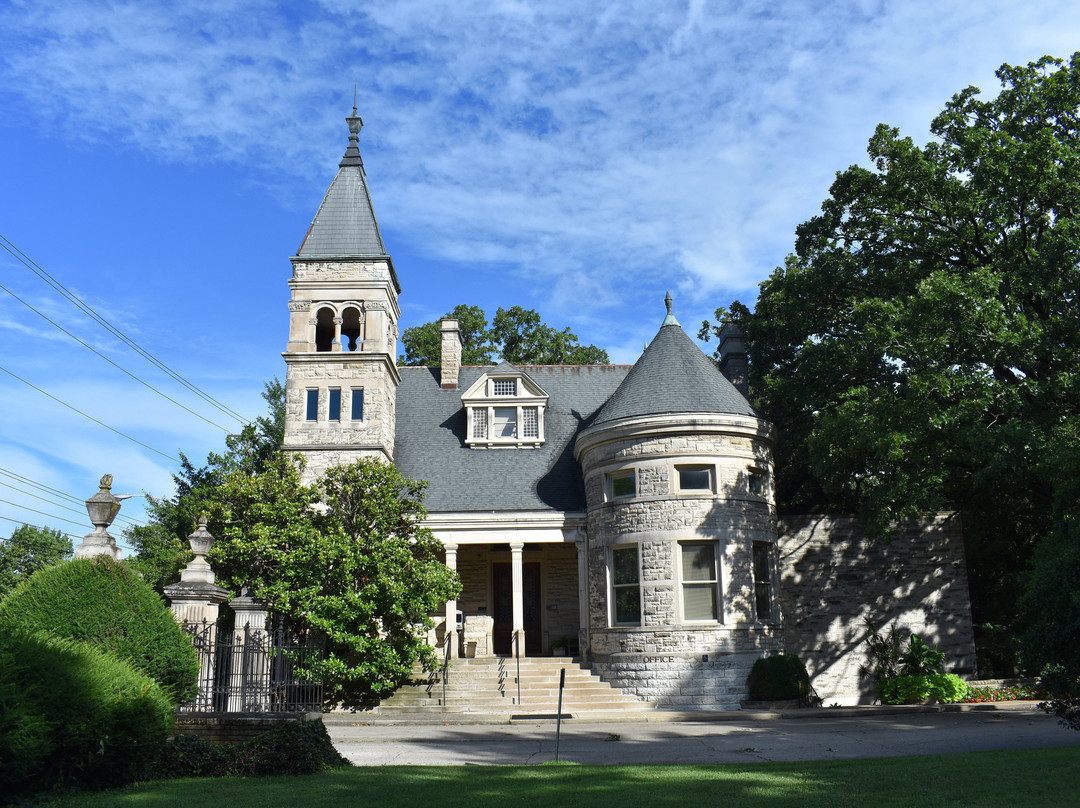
(670, 318)
(356, 123)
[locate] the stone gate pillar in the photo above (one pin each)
(194, 602)
(249, 673)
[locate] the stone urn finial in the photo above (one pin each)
(102, 508)
(198, 569)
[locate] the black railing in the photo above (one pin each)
(253, 671)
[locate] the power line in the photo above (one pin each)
(54, 492)
(30, 264)
(114, 364)
(92, 418)
(71, 536)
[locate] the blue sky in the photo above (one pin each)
(162, 160)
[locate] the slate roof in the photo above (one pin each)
(345, 222)
(429, 443)
(673, 376)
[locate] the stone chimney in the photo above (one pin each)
(451, 354)
(734, 361)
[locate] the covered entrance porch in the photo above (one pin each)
(520, 589)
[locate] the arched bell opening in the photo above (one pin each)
(351, 328)
(324, 329)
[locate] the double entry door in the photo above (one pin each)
(503, 628)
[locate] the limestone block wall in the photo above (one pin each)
(327, 442)
(665, 658)
(832, 577)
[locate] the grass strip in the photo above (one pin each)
(1035, 777)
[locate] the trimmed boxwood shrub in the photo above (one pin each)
(295, 747)
(72, 714)
(101, 602)
(947, 688)
(777, 678)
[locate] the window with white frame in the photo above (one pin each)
(756, 482)
(625, 586)
(763, 580)
(700, 581)
(695, 479)
(621, 484)
(505, 410)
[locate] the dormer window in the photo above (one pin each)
(504, 408)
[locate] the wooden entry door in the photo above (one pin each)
(503, 628)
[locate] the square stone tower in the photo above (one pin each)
(341, 375)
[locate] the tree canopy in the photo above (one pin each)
(516, 335)
(28, 550)
(919, 349)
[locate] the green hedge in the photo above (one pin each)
(777, 678)
(101, 602)
(947, 688)
(72, 714)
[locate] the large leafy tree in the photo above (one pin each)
(919, 350)
(28, 550)
(346, 560)
(516, 335)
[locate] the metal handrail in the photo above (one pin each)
(445, 667)
(517, 658)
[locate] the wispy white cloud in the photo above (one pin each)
(583, 158)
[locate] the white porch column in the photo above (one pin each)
(517, 580)
(451, 606)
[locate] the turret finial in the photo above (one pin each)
(670, 318)
(356, 123)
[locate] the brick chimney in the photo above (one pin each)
(451, 354)
(734, 361)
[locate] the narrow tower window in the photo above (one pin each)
(358, 403)
(335, 404)
(312, 405)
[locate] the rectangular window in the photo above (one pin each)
(622, 484)
(479, 423)
(313, 405)
(695, 478)
(358, 403)
(626, 593)
(504, 387)
(756, 483)
(763, 580)
(335, 404)
(699, 581)
(530, 422)
(505, 422)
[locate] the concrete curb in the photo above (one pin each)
(347, 718)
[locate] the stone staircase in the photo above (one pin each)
(489, 686)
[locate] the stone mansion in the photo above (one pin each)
(624, 512)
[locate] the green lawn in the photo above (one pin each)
(1036, 777)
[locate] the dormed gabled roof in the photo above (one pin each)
(673, 376)
(345, 222)
(429, 442)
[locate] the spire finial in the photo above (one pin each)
(670, 318)
(356, 123)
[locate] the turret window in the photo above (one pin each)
(358, 403)
(621, 484)
(625, 586)
(335, 404)
(695, 479)
(700, 583)
(312, 405)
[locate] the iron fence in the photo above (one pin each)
(253, 671)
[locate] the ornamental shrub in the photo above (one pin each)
(947, 688)
(779, 678)
(71, 714)
(101, 602)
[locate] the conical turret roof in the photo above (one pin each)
(345, 222)
(673, 376)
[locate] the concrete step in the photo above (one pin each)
(490, 686)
